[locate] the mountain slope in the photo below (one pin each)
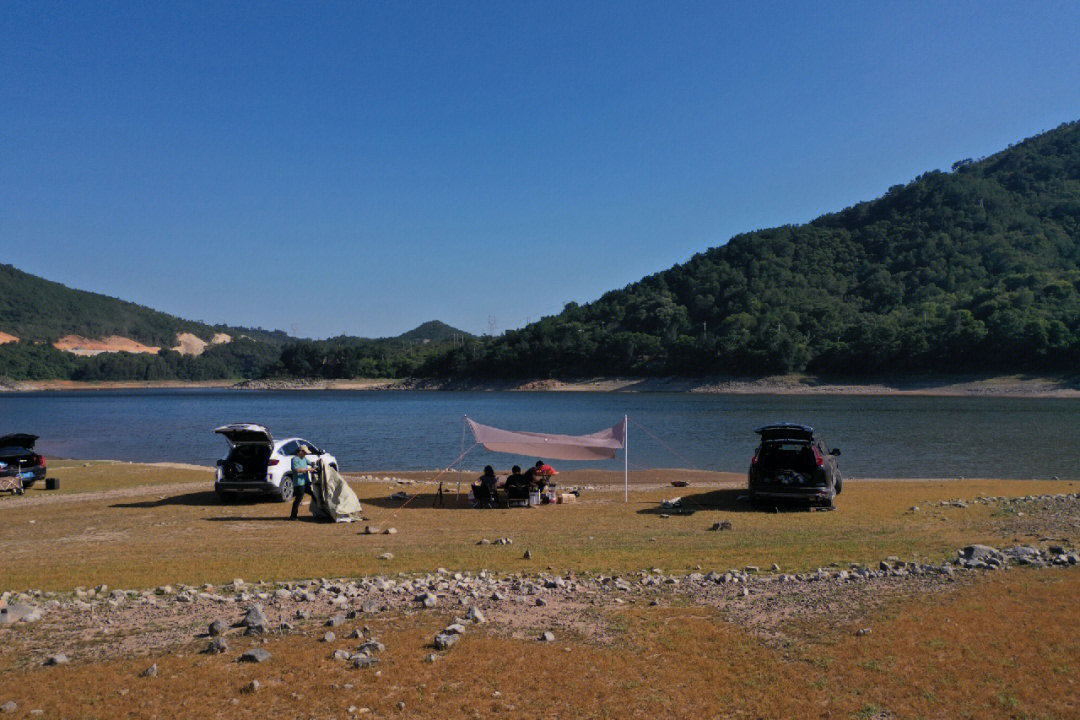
(977, 269)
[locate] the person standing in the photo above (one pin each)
(301, 471)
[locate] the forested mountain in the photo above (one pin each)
(35, 309)
(976, 269)
(39, 312)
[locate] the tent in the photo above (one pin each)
(332, 498)
(600, 445)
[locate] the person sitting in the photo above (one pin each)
(516, 485)
(484, 488)
(537, 481)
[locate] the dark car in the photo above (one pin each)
(790, 464)
(17, 458)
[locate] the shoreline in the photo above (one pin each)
(940, 386)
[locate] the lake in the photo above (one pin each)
(878, 436)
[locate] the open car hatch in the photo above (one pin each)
(246, 434)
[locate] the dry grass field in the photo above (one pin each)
(991, 644)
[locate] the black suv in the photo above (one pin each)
(18, 459)
(791, 464)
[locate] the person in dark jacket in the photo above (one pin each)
(302, 476)
(484, 487)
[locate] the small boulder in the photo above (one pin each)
(329, 637)
(360, 661)
(257, 655)
(444, 641)
(218, 627)
(547, 636)
(475, 615)
(252, 687)
(216, 646)
(150, 671)
(386, 556)
(527, 555)
(57, 659)
(8, 707)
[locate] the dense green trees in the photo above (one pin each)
(973, 270)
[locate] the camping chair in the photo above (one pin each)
(517, 494)
(482, 496)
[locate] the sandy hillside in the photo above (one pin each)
(189, 344)
(6, 338)
(79, 345)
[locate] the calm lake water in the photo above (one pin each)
(879, 436)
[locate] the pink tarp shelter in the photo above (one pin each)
(601, 445)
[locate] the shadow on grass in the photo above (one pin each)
(274, 518)
(195, 499)
(422, 501)
(724, 500)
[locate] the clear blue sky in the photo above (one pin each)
(467, 161)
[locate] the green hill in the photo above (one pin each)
(976, 269)
(433, 331)
(35, 309)
(40, 311)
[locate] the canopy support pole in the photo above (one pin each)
(626, 459)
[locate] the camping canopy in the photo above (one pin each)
(597, 446)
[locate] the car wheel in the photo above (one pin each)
(285, 489)
(839, 484)
(225, 496)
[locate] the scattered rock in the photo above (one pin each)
(216, 646)
(257, 655)
(527, 555)
(444, 641)
(390, 531)
(475, 615)
(57, 659)
(547, 636)
(386, 556)
(361, 661)
(329, 637)
(255, 620)
(336, 620)
(150, 671)
(218, 627)
(252, 687)
(9, 707)
(862, 631)
(371, 530)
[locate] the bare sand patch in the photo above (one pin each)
(79, 345)
(7, 338)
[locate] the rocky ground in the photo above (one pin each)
(102, 622)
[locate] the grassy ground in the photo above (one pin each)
(1003, 645)
(187, 536)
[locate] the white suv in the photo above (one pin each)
(257, 464)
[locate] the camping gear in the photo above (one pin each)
(52, 484)
(331, 497)
(12, 483)
(601, 445)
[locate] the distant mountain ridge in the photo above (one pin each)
(977, 269)
(39, 310)
(51, 331)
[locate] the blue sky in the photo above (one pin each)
(361, 167)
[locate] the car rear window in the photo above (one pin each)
(15, 451)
